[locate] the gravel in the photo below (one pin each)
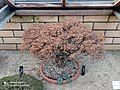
(51, 70)
(99, 73)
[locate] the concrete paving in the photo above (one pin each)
(99, 73)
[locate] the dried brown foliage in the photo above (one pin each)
(60, 40)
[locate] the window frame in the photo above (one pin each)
(63, 8)
(5, 14)
(65, 4)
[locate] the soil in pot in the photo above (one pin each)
(53, 72)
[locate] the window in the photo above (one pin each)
(85, 1)
(37, 3)
(38, 0)
(57, 7)
(63, 3)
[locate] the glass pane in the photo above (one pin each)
(86, 0)
(37, 0)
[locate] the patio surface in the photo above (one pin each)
(99, 74)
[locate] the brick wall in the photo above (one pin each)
(10, 36)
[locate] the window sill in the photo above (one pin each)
(63, 12)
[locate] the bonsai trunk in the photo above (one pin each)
(60, 62)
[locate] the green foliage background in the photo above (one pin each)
(33, 83)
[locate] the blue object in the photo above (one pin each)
(59, 81)
(66, 76)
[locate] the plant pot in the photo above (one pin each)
(55, 81)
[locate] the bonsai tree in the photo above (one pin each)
(58, 41)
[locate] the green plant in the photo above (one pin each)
(26, 82)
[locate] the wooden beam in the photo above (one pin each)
(117, 14)
(39, 5)
(63, 12)
(4, 11)
(1, 3)
(37, 0)
(5, 14)
(9, 3)
(88, 5)
(63, 3)
(117, 3)
(5, 19)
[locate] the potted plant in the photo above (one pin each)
(57, 42)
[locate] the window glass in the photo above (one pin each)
(86, 0)
(70, 1)
(37, 0)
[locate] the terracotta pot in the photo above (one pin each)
(55, 81)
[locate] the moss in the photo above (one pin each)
(31, 83)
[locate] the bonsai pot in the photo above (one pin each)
(55, 81)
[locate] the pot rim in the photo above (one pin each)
(55, 81)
